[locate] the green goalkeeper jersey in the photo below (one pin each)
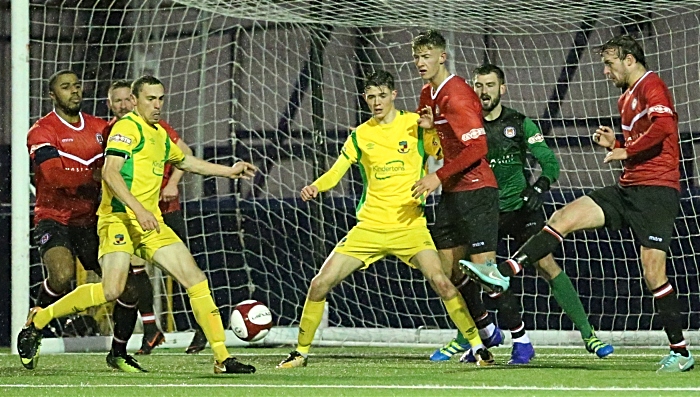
(510, 137)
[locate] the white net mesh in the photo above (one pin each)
(278, 83)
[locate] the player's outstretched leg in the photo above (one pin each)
(486, 274)
(311, 317)
(29, 341)
(125, 314)
(152, 335)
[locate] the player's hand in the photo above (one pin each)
(605, 137)
(309, 192)
(426, 118)
(243, 169)
(532, 195)
(147, 220)
(426, 185)
(169, 192)
(616, 154)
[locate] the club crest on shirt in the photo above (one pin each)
(45, 238)
(119, 239)
(403, 147)
(634, 103)
(509, 132)
(437, 110)
(99, 138)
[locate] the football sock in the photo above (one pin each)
(47, 295)
(145, 305)
(487, 331)
(534, 249)
(460, 316)
(519, 335)
(311, 317)
(471, 292)
(666, 303)
(567, 297)
(508, 309)
(81, 298)
(124, 321)
(209, 318)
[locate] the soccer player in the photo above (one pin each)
(391, 149)
(119, 102)
(67, 149)
(466, 218)
(130, 223)
(647, 196)
(511, 135)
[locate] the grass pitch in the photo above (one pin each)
(353, 372)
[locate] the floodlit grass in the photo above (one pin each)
(350, 372)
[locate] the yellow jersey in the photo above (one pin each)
(391, 157)
(147, 149)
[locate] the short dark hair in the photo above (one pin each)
(489, 68)
(379, 78)
(624, 45)
(430, 39)
(119, 84)
(141, 81)
(55, 76)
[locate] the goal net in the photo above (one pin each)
(279, 83)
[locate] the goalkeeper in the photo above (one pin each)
(391, 150)
(511, 135)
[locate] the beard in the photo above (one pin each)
(493, 102)
(69, 108)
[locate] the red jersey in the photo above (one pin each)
(650, 128)
(457, 117)
(165, 206)
(65, 156)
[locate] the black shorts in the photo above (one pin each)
(468, 218)
(81, 241)
(520, 224)
(650, 211)
(176, 221)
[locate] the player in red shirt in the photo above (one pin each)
(647, 196)
(119, 102)
(65, 147)
(466, 218)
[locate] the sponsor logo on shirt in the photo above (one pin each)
(64, 140)
(387, 170)
(509, 132)
(403, 147)
(634, 103)
(535, 138)
(158, 167)
(119, 239)
(473, 134)
(119, 138)
(45, 238)
(660, 109)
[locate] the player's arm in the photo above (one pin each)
(47, 159)
(170, 191)
(111, 175)
(329, 179)
(240, 169)
(464, 116)
(534, 140)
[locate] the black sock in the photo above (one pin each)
(667, 306)
(47, 295)
(508, 310)
(124, 321)
(145, 305)
(471, 292)
(534, 249)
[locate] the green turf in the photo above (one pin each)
(351, 372)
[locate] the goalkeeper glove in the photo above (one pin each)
(532, 195)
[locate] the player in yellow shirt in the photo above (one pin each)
(130, 222)
(391, 150)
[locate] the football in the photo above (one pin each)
(251, 320)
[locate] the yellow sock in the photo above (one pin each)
(81, 298)
(310, 320)
(459, 314)
(209, 318)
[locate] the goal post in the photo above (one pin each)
(279, 84)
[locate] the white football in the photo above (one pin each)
(251, 320)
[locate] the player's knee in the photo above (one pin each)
(130, 295)
(60, 282)
(443, 286)
(113, 291)
(318, 288)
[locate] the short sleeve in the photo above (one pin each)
(124, 138)
(38, 137)
(175, 155)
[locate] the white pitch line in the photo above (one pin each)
(390, 387)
